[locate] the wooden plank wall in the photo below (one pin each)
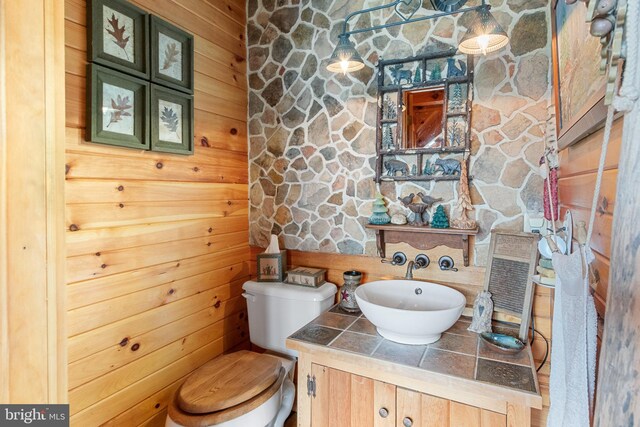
(577, 178)
(32, 312)
(468, 280)
(157, 244)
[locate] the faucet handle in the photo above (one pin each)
(399, 258)
(446, 263)
(422, 261)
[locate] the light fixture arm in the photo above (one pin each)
(404, 20)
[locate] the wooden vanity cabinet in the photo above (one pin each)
(343, 399)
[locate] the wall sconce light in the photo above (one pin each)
(483, 36)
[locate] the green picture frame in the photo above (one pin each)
(171, 56)
(117, 36)
(171, 120)
(117, 108)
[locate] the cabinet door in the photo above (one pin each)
(347, 400)
(422, 410)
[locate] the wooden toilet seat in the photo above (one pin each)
(225, 388)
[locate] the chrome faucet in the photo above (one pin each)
(410, 267)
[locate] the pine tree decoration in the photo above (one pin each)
(414, 170)
(440, 219)
(379, 215)
(428, 168)
(436, 73)
(417, 78)
(387, 138)
(455, 102)
(464, 205)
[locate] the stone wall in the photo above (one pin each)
(312, 132)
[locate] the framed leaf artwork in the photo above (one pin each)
(117, 108)
(171, 56)
(117, 34)
(171, 121)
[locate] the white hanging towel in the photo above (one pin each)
(573, 353)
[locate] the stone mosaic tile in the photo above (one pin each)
(450, 363)
(400, 353)
(505, 374)
(316, 334)
(457, 343)
(363, 325)
(357, 343)
(334, 320)
(488, 352)
(460, 328)
(337, 309)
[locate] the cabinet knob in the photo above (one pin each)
(407, 422)
(384, 412)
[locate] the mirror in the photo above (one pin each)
(424, 110)
(423, 116)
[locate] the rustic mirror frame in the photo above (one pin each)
(424, 83)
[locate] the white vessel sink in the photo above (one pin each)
(409, 311)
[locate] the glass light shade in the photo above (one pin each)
(485, 35)
(345, 57)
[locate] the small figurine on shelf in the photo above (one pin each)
(417, 78)
(440, 219)
(448, 166)
(464, 204)
(387, 138)
(436, 72)
(393, 166)
(379, 215)
(428, 168)
(399, 75)
(453, 71)
(414, 170)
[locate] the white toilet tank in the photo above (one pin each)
(276, 310)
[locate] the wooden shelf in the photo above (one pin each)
(423, 237)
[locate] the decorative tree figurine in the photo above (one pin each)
(440, 219)
(414, 170)
(436, 73)
(417, 78)
(455, 102)
(387, 138)
(464, 205)
(379, 215)
(428, 168)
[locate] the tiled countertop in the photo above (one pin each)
(458, 353)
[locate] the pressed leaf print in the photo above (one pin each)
(169, 56)
(118, 34)
(170, 121)
(117, 109)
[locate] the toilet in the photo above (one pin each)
(246, 388)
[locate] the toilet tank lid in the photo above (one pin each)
(295, 292)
